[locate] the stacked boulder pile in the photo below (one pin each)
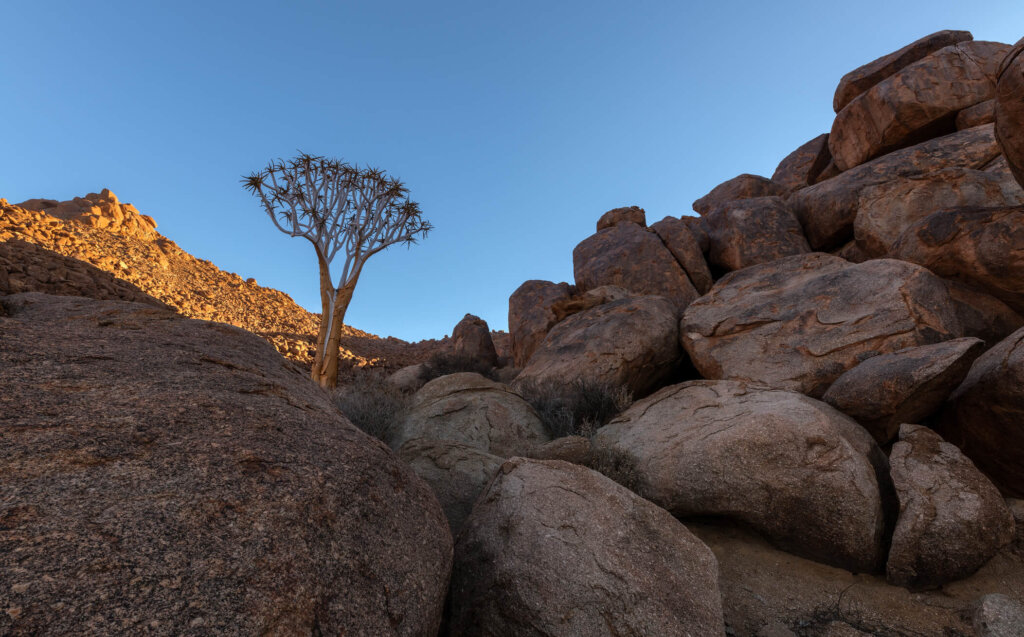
(830, 381)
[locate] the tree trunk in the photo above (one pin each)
(327, 373)
(326, 303)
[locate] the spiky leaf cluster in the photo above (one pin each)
(338, 206)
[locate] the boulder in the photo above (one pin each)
(632, 342)
(863, 78)
(952, 519)
(977, 115)
(802, 166)
(171, 476)
(800, 322)
(99, 210)
(633, 258)
(470, 409)
(530, 316)
(918, 102)
(789, 466)
(699, 229)
(472, 340)
(747, 232)
(1009, 109)
(886, 210)
(827, 209)
(553, 548)
(908, 385)
(980, 247)
(630, 214)
(997, 615)
(742, 186)
(457, 473)
(676, 236)
(410, 378)
(985, 415)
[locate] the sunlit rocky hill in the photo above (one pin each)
(115, 238)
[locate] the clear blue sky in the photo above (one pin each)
(514, 124)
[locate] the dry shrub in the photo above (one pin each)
(575, 408)
(620, 467)
(444, 363)
(372, 403)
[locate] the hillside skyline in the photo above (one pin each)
(514, 129)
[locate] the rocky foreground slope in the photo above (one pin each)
(827, 438)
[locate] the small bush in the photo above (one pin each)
(444, 363)
(372, 404)
(575, 408)
(620, 467)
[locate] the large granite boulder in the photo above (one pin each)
(908, 385)
(888, 209)
(952, 519)
(698, 228)
(475, 411)
(628, 214)
(1009, 109)
(632, 342)
(800, 322)
(746, 232)
(863, 78)
(791, 467)
(742, 186)
(985, 416)
(827, 209)
(916, 102)
(553, 548)
(998, 615)
(977, 246)
(530, 316)
(802, 167)
(632, 257)
(170, 476)
(472, 339)
(680, 241)
(457, 473)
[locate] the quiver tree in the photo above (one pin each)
(340, 209)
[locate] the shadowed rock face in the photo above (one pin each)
(981, 247)
(800, 322)
(791, 467)
(827, 210)
(684, 246)
(178, 476)
(952, 519)
(1009, 109)
(888, 390)
(985, 416)
(913, 103)
(863, 78)
(457, 473)
(553, 548)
